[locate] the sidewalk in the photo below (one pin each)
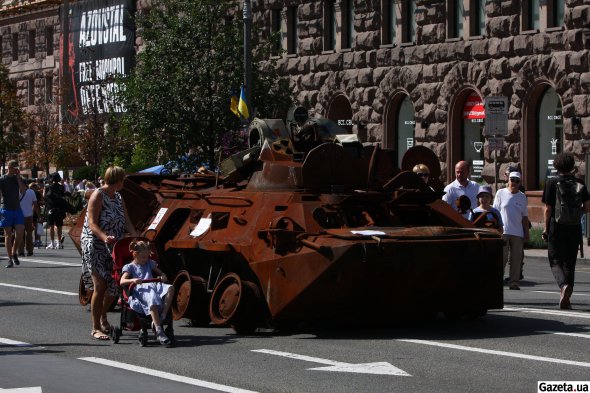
(542, 254)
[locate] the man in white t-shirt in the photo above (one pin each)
(461, 186)
(513, 204)
(28, 204)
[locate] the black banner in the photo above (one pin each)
(100, 48)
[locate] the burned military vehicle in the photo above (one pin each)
(310, 224)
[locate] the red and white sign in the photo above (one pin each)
(473, 107)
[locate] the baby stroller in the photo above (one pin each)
(131, 320)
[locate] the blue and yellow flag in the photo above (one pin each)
(233, 104)
(243, 105)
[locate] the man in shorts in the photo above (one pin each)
(11, 187)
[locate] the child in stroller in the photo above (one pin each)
(148, 296)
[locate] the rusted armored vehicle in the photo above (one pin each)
(310, 224)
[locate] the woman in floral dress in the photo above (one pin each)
(105, 223)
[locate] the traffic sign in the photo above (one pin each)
(496, 122)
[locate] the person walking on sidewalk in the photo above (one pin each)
(11, 215)
(28, 204)
(54, 205)
(513, 207)
(563, 235)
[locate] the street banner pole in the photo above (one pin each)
(248, 55)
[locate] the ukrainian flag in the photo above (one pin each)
(243, 105)
(233, 105)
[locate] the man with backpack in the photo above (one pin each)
(566, 200)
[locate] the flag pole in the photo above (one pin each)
(247, 14)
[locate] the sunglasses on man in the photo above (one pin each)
(515, 180)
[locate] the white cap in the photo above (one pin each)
(514, 174)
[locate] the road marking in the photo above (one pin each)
(14, 343)
(546, 312)
(23, 390)
(38, 289)
(557, 293)
(381, 368)
(565, 334)
(499, 353)
(42, 261)
(165, 375)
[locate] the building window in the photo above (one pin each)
(275, 30)
(409, 20)
(14, 46)
(49, 41)
(31, 91)
(456, 13)
(555, 11)
(32, 35)
(292, 30)
(389, 22)
(347, 24)
(530, 14)
(477, 17)
(329, 25)
(49, 90)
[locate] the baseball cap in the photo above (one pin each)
(484, 189)
(13, 164)
(514, 174)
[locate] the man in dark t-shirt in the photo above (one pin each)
(11, 187)
(563, 240)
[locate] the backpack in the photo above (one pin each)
(568, 203)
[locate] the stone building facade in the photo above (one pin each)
(416, 72)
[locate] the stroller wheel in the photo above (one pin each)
(142, 338)
(169, 332)
(115, 334)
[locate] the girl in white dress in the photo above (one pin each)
(153, 298)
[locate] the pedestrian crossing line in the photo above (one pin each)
(165, 375)
(582, 335)
(547, 312)
(14, 343)
(557, 293)
(498, 353)
(38, 289)
(41, 261)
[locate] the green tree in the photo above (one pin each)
(11, 119)
(177, 98)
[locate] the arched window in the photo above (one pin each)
(400, 126)
(550, 137)
(472, 134)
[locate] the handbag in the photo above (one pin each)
(39, 229)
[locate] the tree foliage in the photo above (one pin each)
(177, 98)
(11, 118)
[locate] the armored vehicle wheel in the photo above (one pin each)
(191, 299)
(235, 302)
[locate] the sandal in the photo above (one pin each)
(99, 335)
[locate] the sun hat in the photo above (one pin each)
(514, 174)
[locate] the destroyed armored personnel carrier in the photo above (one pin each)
(308, 224)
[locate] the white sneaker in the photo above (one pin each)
(60, 245)
(50, 246)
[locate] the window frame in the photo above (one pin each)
(31, 92)
(330, 25)
(32, 38)
(292, 30)
(49, 40)
(15, 46)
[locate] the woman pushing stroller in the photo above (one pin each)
(152, 298)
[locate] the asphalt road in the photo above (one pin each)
(45, 345)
